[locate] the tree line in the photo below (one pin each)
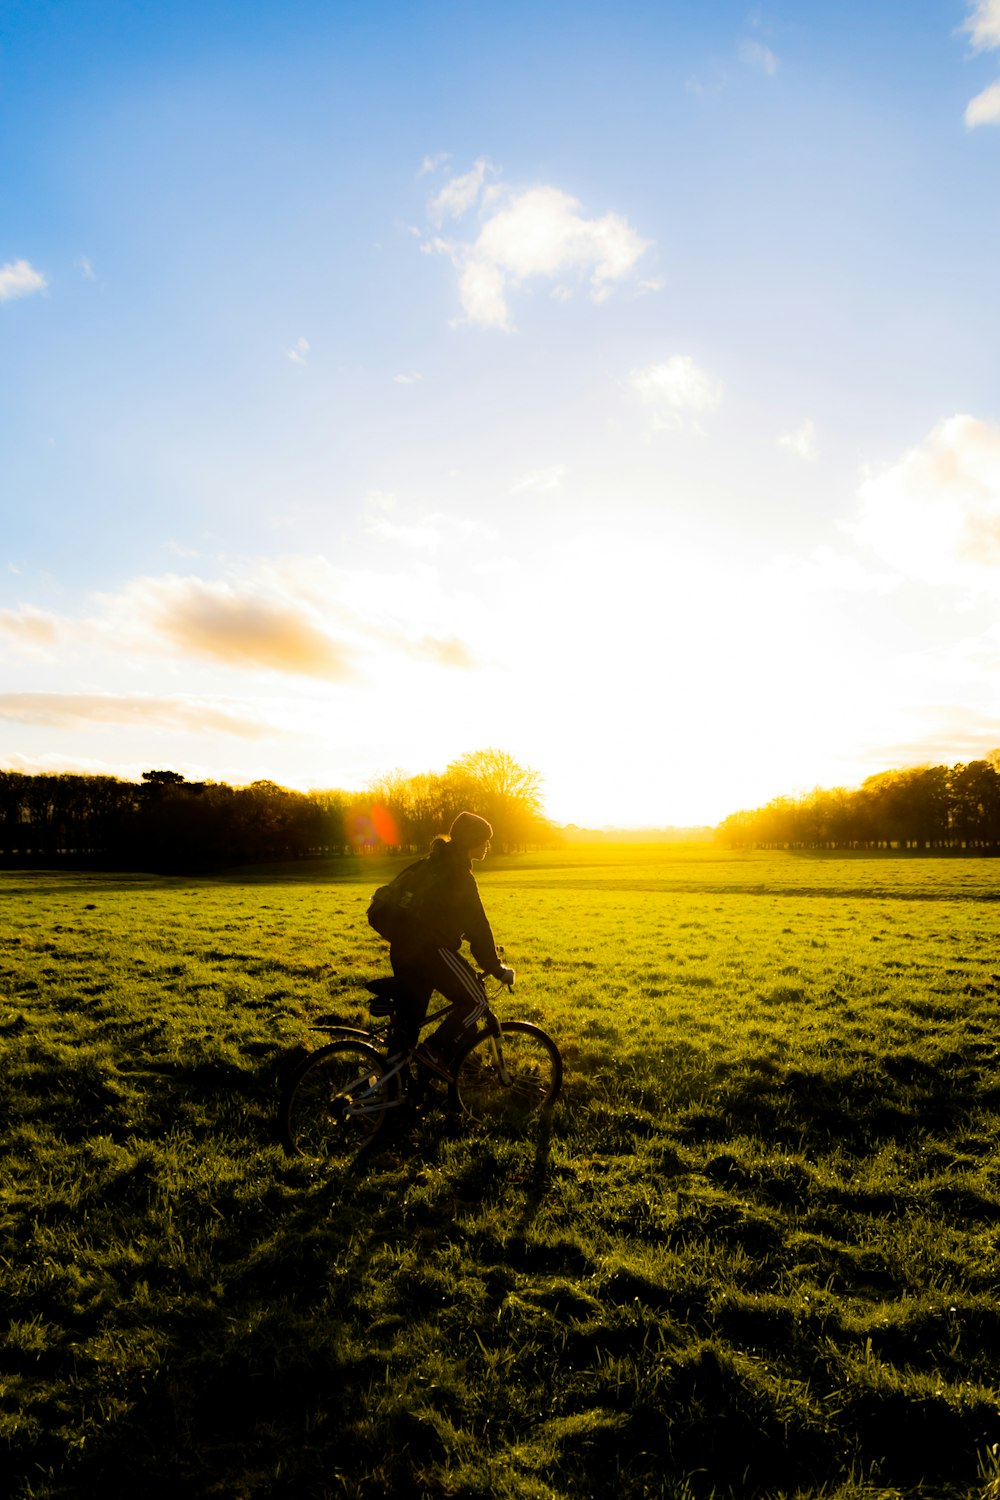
(165, 822)
(927, 807)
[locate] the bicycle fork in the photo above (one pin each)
(496, 1050)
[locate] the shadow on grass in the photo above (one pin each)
(856, 1107)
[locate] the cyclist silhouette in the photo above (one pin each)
(427, 958)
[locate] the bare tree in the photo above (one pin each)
(492, 783)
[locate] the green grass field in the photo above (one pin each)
(754, 1251)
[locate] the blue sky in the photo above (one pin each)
(616, 385)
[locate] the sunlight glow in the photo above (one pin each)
(645, 426)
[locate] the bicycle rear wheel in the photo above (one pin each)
(336, 1102)
(510, 1077)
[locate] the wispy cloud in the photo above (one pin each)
(983, 26)
(30, 627)
(432, 162)
(74, 710)
(428, 533)
(676, 392)
(423, 535)
(954, 734)
(536, 234)
(460, 193)
(716, 75)
(404, 612)
(935, 514)
(299, 352)
(19, 279)
(710, 83)
(801, 442)
(410, 378)
(239, 626)
(298, 617)
(540, 481)
(445, 652)
(984, 109)
(758, 57)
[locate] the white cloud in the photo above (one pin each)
(755, 55)
(460, 194)
(802, 441)
(386, 500)
(483, 292)
(19, 279)
(537, 233)
(431, 163)
(935, 514)
(427, 534)
(409, 379)
(675, 390)
(983, 25)
(540, 481)
(984, 109)
(299, 352)
(421, 536)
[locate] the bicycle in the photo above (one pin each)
(345, 1094)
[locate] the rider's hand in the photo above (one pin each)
(506, 976)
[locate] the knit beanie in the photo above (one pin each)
(469, 829)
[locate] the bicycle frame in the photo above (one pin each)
(349, 1085)
(366, 1101)
(356, 1102)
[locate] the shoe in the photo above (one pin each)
(428, 1058)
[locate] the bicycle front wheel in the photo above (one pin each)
(509, 1077)
(337, 1101)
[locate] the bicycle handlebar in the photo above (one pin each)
(505, 977)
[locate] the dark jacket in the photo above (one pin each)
(451, 909)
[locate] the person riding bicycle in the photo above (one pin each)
(427, 958)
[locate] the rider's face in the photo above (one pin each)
(479, 852)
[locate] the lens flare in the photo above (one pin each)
(384, 824)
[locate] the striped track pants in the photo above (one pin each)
(447, 972)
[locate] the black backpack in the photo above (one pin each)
(397, 909)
